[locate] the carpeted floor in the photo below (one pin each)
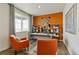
(61, 50)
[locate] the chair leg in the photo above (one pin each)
(27, 49)
(15, 52)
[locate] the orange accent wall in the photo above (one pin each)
(56, 18)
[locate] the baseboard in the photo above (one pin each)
(3, 49)
(67, 48)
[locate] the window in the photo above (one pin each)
(25, 25)
(21, 24)
(17, 25)
(21, 21)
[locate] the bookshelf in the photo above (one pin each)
(52, 31)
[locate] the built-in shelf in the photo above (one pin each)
(52, 31)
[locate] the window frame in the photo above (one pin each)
(23, 15)
(21, 25)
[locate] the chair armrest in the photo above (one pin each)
(24, 38)
(24, 43)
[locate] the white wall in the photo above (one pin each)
(71, 40)
(4, 26)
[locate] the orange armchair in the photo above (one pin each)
(46, 46)
(18, 44)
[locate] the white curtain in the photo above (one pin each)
(12, 21)
(25, 19)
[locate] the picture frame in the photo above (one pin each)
(71, 20)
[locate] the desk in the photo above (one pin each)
(44, 35)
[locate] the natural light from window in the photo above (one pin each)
(21, 24)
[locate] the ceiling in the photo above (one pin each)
(37, 9)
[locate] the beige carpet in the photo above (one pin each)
(61, 50)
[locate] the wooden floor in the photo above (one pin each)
(61, 50)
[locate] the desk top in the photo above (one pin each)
(44, 34)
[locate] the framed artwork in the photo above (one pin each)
(44, 22)
(71, 20)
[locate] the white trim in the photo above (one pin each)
(67, 48)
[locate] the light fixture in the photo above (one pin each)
(38, 6)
